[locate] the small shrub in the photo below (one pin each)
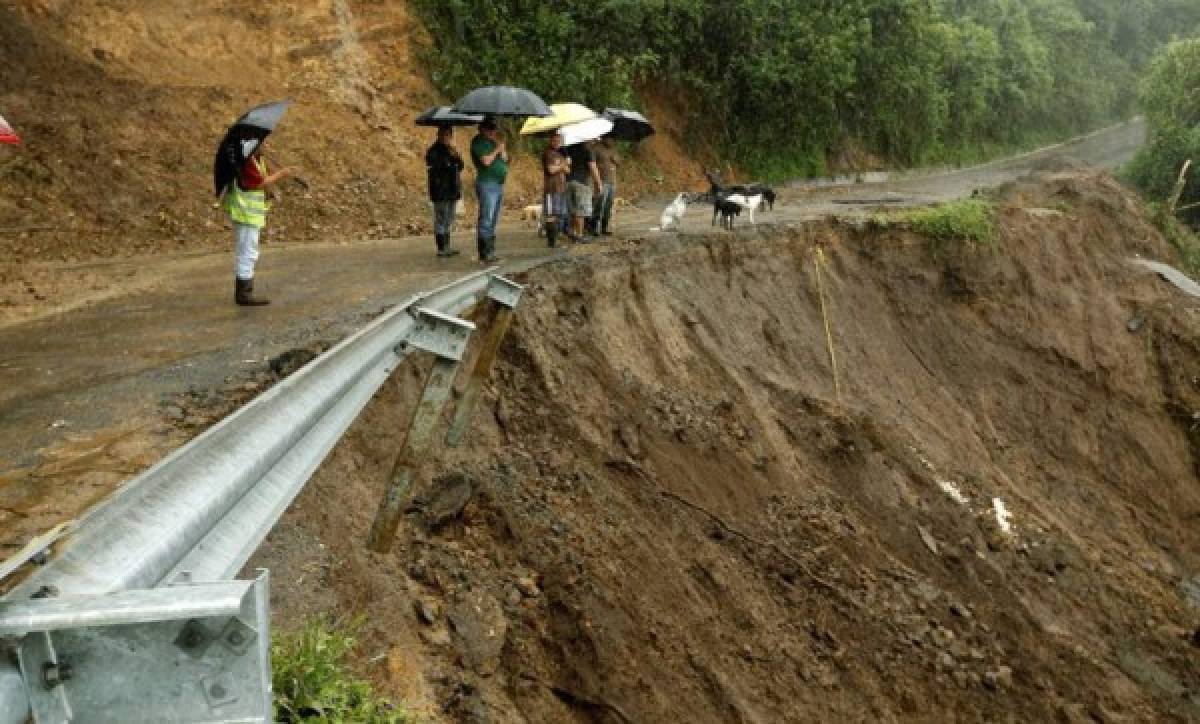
(1181, 236)
(966, 220)
(312, 681)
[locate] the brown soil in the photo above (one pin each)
(668, 515)
(121, 109)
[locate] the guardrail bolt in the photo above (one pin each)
(54, 674)
(217, 691)
(236, 638)
(45, 592)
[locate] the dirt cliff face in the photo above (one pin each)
(665, 513)
(121, 106)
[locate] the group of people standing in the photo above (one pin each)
(579, 184)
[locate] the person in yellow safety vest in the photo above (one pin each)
(245, 201)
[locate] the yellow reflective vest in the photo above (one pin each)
(247, 207)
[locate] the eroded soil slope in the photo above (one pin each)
(664, 513)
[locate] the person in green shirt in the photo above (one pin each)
(490, 156)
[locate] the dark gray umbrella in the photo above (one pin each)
(447, 116)
(265, 116)
(240, 140)
(502, 100)
(628, 125)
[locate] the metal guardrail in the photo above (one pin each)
(163, 547)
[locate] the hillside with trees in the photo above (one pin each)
(788, 88)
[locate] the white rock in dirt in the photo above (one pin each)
(1003, 516)
(528, 586)
(1001, 678)
(950, 488)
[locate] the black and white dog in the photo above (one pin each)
(765, 193)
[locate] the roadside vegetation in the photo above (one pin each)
(970, 220)
(784, 88)
(313, 682)
(1170, 101)
(948, 226)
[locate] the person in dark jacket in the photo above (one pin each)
(445, 165)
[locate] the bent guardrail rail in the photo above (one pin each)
(175, 533)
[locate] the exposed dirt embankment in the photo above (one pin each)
(669, 516)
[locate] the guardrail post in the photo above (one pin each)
(446, 337)
(190, 652)
(504, 296)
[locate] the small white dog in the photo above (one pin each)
(532, 214)
(672, 216)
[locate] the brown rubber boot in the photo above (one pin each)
(243, 294)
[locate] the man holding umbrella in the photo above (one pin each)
(490, 156)
(241, 176)
(245, 201)
(488, 152)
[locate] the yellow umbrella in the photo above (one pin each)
(561, 114)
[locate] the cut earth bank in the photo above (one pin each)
(664, 513)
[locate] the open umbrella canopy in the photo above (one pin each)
(584, 131)
(264, 117)
(502, 100)
(7, 134)
(561, 114)
(241, 139)
(447, 116)
(628, 125)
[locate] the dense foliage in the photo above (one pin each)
(783, 85)
(1171, 102)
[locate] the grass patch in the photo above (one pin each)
(970, 220)
(1181, 236)
(313, 682)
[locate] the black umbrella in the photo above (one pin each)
(447, 116)
(502, 100)
(240, 140)
(628, 125)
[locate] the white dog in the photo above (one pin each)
(672, 216)
(532, 213)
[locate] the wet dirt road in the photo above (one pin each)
(111, 363)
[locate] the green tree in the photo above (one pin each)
(1170, 99)
(780, 86)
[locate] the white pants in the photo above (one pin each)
(245, 250)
